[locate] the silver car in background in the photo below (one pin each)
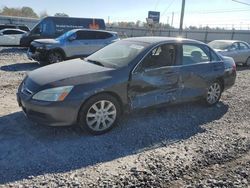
(72, 44)
(238, 50)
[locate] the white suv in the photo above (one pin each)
(72, 44)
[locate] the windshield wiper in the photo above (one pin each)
(95, 62)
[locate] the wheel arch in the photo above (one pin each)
(61, 51)
(113, 94)
(222, 82)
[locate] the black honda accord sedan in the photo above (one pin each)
(129, 74)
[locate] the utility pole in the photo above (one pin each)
(182, 17)
(172, 21)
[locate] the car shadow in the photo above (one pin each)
(242, 68)
(19, 50)
(28, 149)
(29, 66)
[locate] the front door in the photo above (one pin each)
(156, 79)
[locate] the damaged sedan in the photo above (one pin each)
(130, 74)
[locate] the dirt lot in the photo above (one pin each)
(187, 145)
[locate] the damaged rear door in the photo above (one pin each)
(155, 82)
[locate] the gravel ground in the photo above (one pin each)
(187, 145)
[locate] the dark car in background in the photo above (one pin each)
(126, 75)
(238, 50)
(72, 44)
(53, 27)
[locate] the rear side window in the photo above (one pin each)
(85, 35)
(192, 54)
(92, 35)
(103, 35)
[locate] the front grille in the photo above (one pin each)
(32, 49)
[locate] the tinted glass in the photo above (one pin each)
(12, 32)
(243, 46)
(86, 35)
(161, 56)
(234, 46)
(103, 35)
(193, 54)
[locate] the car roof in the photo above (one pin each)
(156, 40)
(111, 32)
(12, 29)
(228, 41)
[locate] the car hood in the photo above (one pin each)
(47, 41)
(72, 72)
(220, 51)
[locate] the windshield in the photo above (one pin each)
(117, 54)
(220, 45)
(65, 35)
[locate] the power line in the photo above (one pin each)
(167, 8)
(214, 11)
(156, 4)
(241, 2)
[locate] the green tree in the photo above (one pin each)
(22, 12)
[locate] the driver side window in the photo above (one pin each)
(161, 56)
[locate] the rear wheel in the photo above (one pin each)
(213, 93)
(99, 114)
(55, 57)
(247, 63)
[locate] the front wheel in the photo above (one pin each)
(55, 57)
(99, 114)
(213, 93)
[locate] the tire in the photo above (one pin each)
(55, 57)
(247, 63)
(99, 114)
(214, 92)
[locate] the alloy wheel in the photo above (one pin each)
(55, 57)
(101, 115)
(214, 93)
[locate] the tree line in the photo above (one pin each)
(26, 12)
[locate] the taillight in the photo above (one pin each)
(234, 67)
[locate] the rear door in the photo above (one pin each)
(155, 82)
(233, 51)
(200, 67)
(244, 52)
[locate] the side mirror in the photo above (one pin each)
(71, 38)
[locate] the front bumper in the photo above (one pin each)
(49, 113)
(37, 56)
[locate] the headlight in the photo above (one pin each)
(53, 94)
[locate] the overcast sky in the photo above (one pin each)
(198, 12)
